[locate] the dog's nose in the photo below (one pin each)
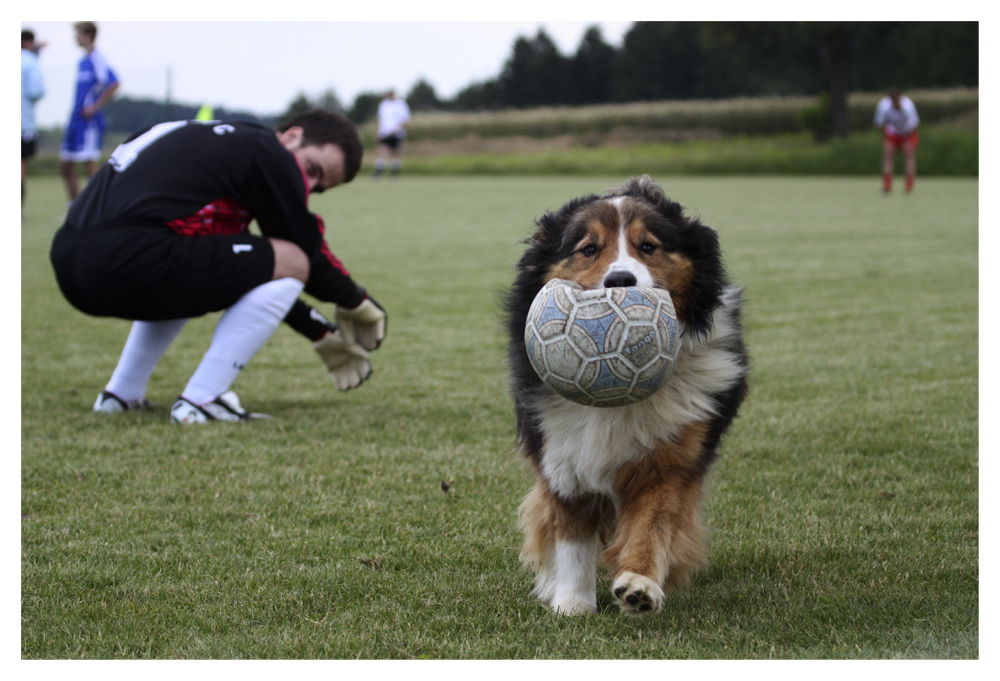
(615, 279)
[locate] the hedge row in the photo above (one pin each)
(746, 116)
(943, 151)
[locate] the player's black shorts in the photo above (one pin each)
(150, 273)
(391, 141)
(28, 147)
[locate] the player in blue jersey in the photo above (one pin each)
(96, 84)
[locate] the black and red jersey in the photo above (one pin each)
(209, 177)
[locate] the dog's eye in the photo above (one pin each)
(589, 251)
(647, 248)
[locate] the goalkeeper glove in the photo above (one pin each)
(364, 324)
(347, 362)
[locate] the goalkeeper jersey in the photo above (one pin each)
(208, 177)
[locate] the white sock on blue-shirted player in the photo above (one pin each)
(241, 332)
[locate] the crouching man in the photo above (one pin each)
(160, 235)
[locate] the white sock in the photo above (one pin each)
(147, 341)
(241, 332)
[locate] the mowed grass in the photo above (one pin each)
(844, 506)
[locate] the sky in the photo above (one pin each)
(261, 66)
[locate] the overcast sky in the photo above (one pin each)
(261, 66)
(260, 63)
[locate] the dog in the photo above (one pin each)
(624, 485)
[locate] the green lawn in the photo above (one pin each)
(844, 506)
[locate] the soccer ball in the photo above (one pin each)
(603, 348)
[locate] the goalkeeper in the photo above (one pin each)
(159, 235)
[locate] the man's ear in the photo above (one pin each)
(291, 139)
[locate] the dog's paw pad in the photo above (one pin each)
(637, 594)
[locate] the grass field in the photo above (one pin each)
(844, 506)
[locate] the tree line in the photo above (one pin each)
(665, 60)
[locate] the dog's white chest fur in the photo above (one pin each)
(586, 446)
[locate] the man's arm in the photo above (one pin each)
(329, 280)
(109, 92)
(879, 119)
(34, 88)
(913, 120)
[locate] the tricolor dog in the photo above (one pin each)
(623, 486)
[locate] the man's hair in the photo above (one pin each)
(321, 127)
(87, 28)
(27, 35)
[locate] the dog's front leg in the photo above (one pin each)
(573, 580)
(659, 538)
(561, 543)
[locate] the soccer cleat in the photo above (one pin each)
(109, 403)
(225, 407)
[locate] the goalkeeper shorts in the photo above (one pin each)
(151, 273)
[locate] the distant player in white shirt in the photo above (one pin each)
(897, 117)
(393, 115)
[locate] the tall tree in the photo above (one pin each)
(912, 54)
(365, 107)
(756, 58)
(535, 74)
(479, 96)
(300, 104)
(329, 101)
(659, 60)
(833, 43)
(422, 97)
(592, 69)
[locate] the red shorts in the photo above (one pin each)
(898, 141)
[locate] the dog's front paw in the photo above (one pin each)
(637, 595)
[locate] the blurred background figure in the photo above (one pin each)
(32, 89)
(96, 84)
(393, 115)
(897, 117)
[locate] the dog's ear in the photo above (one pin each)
(700, 244)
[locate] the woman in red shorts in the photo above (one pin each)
(897, 117)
